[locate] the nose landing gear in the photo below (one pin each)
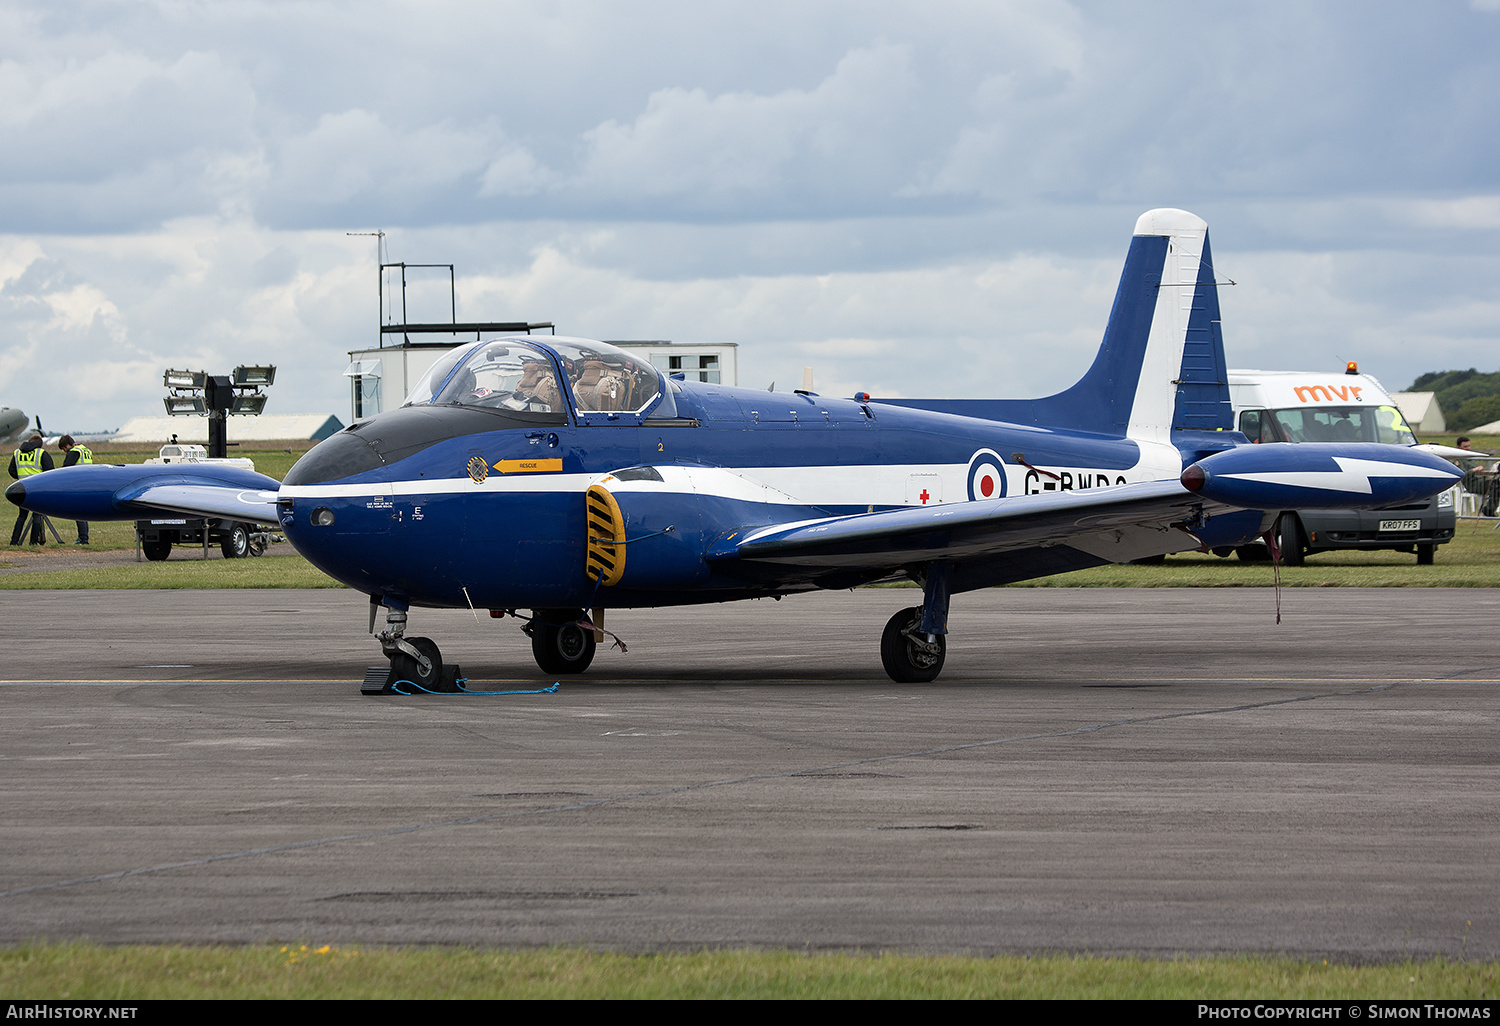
(416, 664)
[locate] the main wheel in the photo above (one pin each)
(157, 550)
(908, 661)
(1424, 554)
(235, 542)
(405, 668)
(567, 648)
(1290, 539)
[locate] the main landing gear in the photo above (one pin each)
(909, 655)
(913, 646)
(914, 642)
(558, 642)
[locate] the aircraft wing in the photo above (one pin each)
(1216, 502)
(1117, 523)
(204, 500)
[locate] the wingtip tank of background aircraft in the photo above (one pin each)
(556, 478)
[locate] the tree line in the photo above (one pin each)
(1468, 398)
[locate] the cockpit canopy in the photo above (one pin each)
(507, 374)
(604, 379)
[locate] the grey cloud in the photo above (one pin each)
(120, 138)
(318, 115)
(687, 170)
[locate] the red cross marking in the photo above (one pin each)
(924, 496)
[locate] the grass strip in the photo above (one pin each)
(87, 971)
(289, 571)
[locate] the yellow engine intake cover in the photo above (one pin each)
(606, 526)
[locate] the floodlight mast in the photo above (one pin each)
(220, 396)
(216, 397)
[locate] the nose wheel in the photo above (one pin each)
(409, 668)
(558, 643)
(416, 664)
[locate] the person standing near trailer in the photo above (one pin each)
(77, 454)
(31, 458)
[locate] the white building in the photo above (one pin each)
(1422, 412)
(264, 428)
(713, 362)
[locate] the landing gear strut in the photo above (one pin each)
(558, 643)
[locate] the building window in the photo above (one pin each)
(364, 380)
(692, 368)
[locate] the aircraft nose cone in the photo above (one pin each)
(16, 493)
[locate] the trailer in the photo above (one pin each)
(236, 539)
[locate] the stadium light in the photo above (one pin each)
(184, 379)
(254, 377)
(217, 397)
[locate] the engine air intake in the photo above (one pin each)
(606, 526)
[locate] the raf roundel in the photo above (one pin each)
(986, 475)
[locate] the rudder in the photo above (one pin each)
(1160, 365)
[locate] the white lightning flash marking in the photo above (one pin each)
(1353, 476)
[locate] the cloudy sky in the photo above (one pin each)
(914, 199)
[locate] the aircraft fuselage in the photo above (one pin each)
(445, 506)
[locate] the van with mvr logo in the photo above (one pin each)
(1297, 406)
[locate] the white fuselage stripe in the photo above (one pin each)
(881, 485)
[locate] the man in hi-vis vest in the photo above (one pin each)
(30, 459)
(77, 454)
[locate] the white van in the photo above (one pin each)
(1301, 406)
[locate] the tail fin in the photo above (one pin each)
(1161, 364)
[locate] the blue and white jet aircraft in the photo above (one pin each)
(565, 477)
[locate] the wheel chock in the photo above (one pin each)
(377, 680)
